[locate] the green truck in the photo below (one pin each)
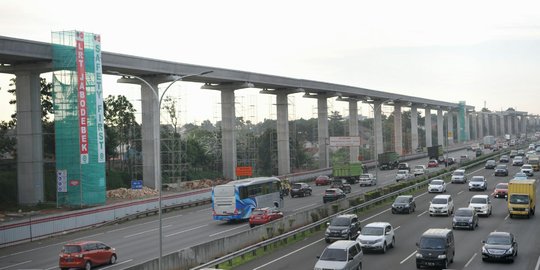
(388, 160)
(348, 171)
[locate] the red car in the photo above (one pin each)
(86, 254)
(261, 216)
(433, 163)
(322, 180)
(501, 190)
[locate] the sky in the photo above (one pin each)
(482, 52)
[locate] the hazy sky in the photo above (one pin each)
(477, 51)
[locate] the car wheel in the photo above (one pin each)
(87, 265)
(64, 268)
(384, 247)
(484, 259)
(112, 260)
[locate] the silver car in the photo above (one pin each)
(342, 254)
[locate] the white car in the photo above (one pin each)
(437, 185)
(481, 204)
(377, 236)
(342, 254)
(419, 170)
(441, 205)
(459, 176)
(367, 179)
(402, 175)
(517, 161)
(527, 169)
(478, 182)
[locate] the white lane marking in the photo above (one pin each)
(475, 171)
(368, 218)
(24, 251)
(214, 234)
(88, 236)
(507, 216)
(460, 192)
(422, 194)
(13, 265)
(408, 257)
(277, 259)
(421, 213)
(194, 228)
(304, 207)
(51, 268)
(470, 260)
(143, 232)
(537, 264)
(117, 263)
(397, 228)
(205, 209)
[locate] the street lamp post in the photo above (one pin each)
(375, 156)
(157, 142)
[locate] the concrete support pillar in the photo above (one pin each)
(524, 124)
(501, 124)
(322, 114)
(282, 104)
(450, 117)
(487, 129)
(474, 125)
(516, 125)
(467, 127)
(480, 126)
(398, 130)
(228, 134)
(150, 134)
(440, 127)
(428, 127)
(494, 128)
(377, 113)
(414, 129)
(29, 139)
(353, 129)
(509, 125)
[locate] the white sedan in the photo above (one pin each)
(377, 236)
(437, 185)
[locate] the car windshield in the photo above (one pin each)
(518, 158)
(297, 186)
(501, 167)
(527, 167)
(333, 254)
(520, 175)
(464, 213)
(330, 192)
(432, 243)
(490, 162)
(498, 240)
(436, 182)
(458, 173)
(339, 222)
(402, 200)
(258, 212)
(68, 249)
(519, 199)
(372, 231)
(419, 167)
(478, 200)
(501, 186)
(477, 179)
(439, 201)
(364, 176)
(402, 172)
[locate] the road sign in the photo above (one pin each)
(344, 141)
(244, 171)
(61, 180)
(136, 184)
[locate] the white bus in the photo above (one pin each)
(237, 199)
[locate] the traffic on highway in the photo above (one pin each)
(136, 241)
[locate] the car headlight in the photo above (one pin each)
(327, 231)
(442, 256)
(484, 250)
(317, 268)
(418, 255)
(345, 231)
(510, 251)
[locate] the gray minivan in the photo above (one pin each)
(436, 248)
(342, 255)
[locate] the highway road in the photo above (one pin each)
(408, 229)
(137, 241)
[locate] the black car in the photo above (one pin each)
(404, 204)
(504, 159)
(341, 184)
(342, 227)
(300, 189)
(500, 246)
(465, 218)
(490, 164)
(333, 194)
(501, 170)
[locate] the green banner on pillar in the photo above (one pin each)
(462, 134)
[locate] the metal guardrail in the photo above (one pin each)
(262, 244)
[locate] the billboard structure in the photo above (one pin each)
(79, 119)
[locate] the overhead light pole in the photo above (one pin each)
(157, 141)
